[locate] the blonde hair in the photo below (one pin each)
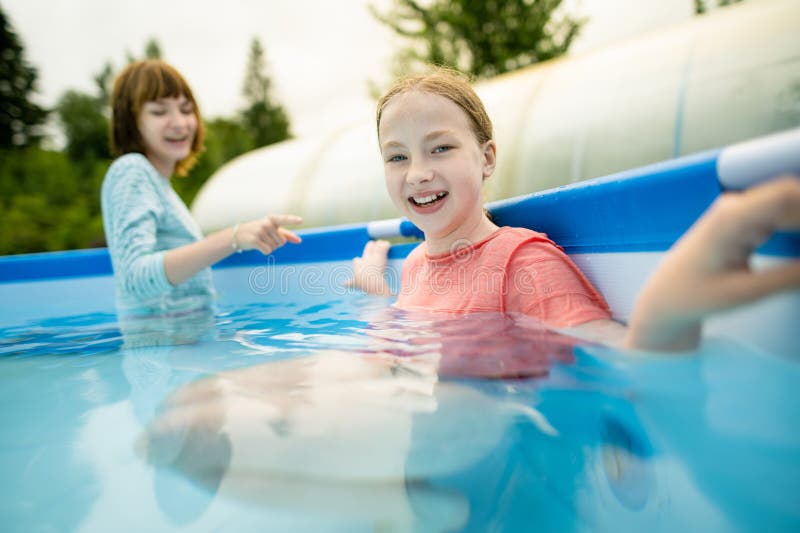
(450, 84)
(141, 82)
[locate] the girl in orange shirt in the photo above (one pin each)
(437, 144)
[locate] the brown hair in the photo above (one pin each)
(452, 85)
(141, 82)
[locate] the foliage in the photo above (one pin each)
(53, 202)
(152, 50)
(103, 80)
(265, 121)
(480, 37)
(20, 118)
(701, 6)
(85, 126)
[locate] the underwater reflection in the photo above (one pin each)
(415, 432)
(480, 345)
(166, 328)
(359, 437)
(729, 416)
(328, 434)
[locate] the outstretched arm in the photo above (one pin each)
(708, 270)
(266, 235)
(369, 270)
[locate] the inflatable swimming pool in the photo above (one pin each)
(308, 412)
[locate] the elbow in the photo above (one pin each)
(145, 279)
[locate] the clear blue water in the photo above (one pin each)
(317, 410)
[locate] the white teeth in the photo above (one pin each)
(428, 199)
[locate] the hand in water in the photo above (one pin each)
(370, 268)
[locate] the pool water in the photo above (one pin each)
(329, 411)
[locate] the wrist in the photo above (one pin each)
(234, 241)
(650, 333)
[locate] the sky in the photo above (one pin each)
(321, 54)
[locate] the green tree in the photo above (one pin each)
(701, 6)
(265, 120)
(20, 118)
(49, 202)
(480, 37)
(152, 50)
(85, 126)
(102, 81)
(85, 119)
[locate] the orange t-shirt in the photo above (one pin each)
(512, 270)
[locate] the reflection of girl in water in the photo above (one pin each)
(478, 345)
(387, 435)
(356, 437)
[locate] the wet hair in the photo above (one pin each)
(141, 82)
(450, 84)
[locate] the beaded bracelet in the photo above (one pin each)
(234, 244)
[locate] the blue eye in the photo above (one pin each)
(442, 148)
(396, 158)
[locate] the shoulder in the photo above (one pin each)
(528, 247)
(128, 162)
(131, 168)
(130, 180)
(511, 241)
(522, 235)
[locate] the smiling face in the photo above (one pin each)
(434, 168)
(167, 127)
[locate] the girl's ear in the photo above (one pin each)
(489, 158)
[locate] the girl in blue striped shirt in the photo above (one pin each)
(161, 260)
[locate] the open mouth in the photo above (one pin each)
(427, 200)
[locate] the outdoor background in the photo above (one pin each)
(261, 71)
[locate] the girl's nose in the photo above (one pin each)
(177, 119)
(419, 172)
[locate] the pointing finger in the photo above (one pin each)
(290, 235)
(283, 220)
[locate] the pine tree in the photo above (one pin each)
(20, 118)
(85, 126)
(152, 50)
(266, 121)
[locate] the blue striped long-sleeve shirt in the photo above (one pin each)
(143, 217)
